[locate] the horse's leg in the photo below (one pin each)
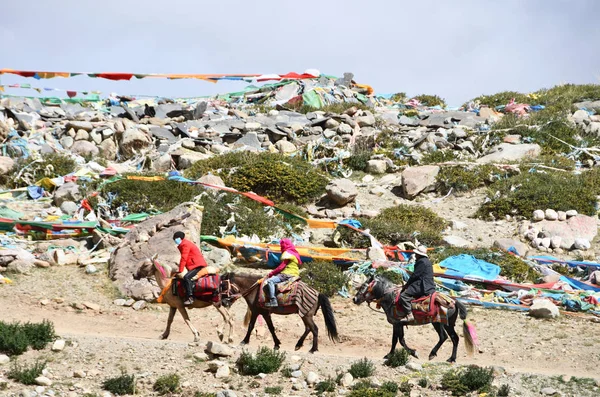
(395, 333)
(251, 324)
(309, 323)
(439, 327)
(226, 321)
(412, 352)
(172, 312)
(300, 342)
(186, 318)
(454, 338)
(269, 321)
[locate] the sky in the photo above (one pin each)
(456, 49)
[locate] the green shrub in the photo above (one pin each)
(217, 165)
(143, 196)
(120, 385)
(204, 394)
(430, 100)
(399, 97)
(39, 334)
(423, 382)
(325, 386)
(364, 389)
(265, 361)
(52, 165)
(464, 179)
(511, 267)
(362, 368)
(26, 374)
(15, 338)
(358, 160)
(524, 193)
(390, 386)
(336, 108)
(397, 224)
(502, 98)
(167, 384)
(325, 277)
(464, 380)
(286, 371)
(503, 391)
(405, 388)
(392, 276)
(397, 359)
(274, 390)
(439, 156)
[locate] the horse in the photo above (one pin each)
(384, 292)
(164, 279)
(247, 286)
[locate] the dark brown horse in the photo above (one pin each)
(381, 290)
(247, 286)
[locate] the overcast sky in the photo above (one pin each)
(456, 49)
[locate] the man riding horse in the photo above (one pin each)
(191, 266)
(419, 284)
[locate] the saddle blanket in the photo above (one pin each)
(293, 296)
(428, 309)
(205, 288)
(286, 292)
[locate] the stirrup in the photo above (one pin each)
(272, 303)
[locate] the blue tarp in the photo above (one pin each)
(467, 265)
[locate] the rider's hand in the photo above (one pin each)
(260, 280)
(179, 275)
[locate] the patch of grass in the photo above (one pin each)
(501, 98)
(265, 361)
(467, 178)
(397, 224)
(399, 97)
(405, 388)
(26, 374)
(358, 160)
(423, 382)
(324, 276)
(464, 380)
(52, 165)
(430, 100)
(439, 156)
(503, 391)
(362, 368)
(364, 389)
(120, 385)
(392, 276)
(15, 338)
(286, 371)
(390, 386)
(325, 386)
(204, 394)
(274, 390)
(397, 359)
(511, 266)
(167, 384)
(336, 108)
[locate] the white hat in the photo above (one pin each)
(421, 250)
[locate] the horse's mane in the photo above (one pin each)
(231, 275)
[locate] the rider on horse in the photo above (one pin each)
(193, 261)
(419, 284)
(290, 260)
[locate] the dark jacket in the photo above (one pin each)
(191, 257)
(421, 281)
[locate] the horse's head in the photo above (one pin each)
(370, 290)
(149, 267)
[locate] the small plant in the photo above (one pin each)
(26, 374)
(325, 386)
(362, 368)
(265, 361)
(397, 359)
(15, 338)
(286, 371)
(167, 384)
(120, 385)
(254, 384)
(430, 100)
(464, 380)
(423, 382)
(405, 388)
(274, 390)
(204, 394)
(324, 276)
(39, 334)
(503, 391)
(390, 386)
(464, 179)
(439, 156)
(364, 389)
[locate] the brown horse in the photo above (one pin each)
(162, 273)
(247, 286)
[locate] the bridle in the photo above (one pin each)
(369, 292)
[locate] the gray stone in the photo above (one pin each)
(548, 391)
(107, 133)
(571, 213)
(538, 215)
(67, 192)
(79, 374)
(329, 134)
(416, 180)
(43, 381)
(66, 142)
(579, 226)
(312, 378)
(82, 135)
(133, 140)
(139, 305)
(214, 365)
(6, 165)
(217, 257)
(108, 149)
(80, 125)
(285, 147)
(413, 366)
(458, 225)
(344, 129)
(376, 254)
(506, 152)
(251, 126)
(347, 380)
(582, 244)
(250, 139)
(555, 242)
(58, 345)
(84, 148)
(546, 242)
(4, 359)
(551, 215)
(219, 349)
(378, 191)
(562, 216)
(331, 124)
(119, 302)
(376, 166)
(459, 242)
(219, 149)
(580, 116)
(223, 372)
(366, 121)
(543, 308)
(341, 191)
(226, 393)
(69, 207)
(90, 269)
(297, 374)
(505, 243)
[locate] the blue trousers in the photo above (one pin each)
(276, 279)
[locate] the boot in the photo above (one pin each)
(272, 303)
(188, 301)
(409, 318)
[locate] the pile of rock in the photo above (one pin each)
(559, 231)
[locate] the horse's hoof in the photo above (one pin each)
(298, 348)
(163, 336)
(431, 357)
(221, 336)
(451, 360)
(387, 356)
(243, 343)
(313, 351)
(276, 347)
(414, 354)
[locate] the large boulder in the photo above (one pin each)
(133, 140)
(85, 148)
(505, 244)
(211, 179)
(376, 167)
(419, 179)
(458, 242)
(67, 192)
(576, 227)
(215, 256)
(543, 308)
(6, 165)
(108, 149)
(506, 152)
(153, 236)
(341, 191)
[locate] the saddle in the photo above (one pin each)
(205, 288)
(285, 293)
(427, 309)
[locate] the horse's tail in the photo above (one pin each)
(247, 317)
(329, 318)
(468, 328)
